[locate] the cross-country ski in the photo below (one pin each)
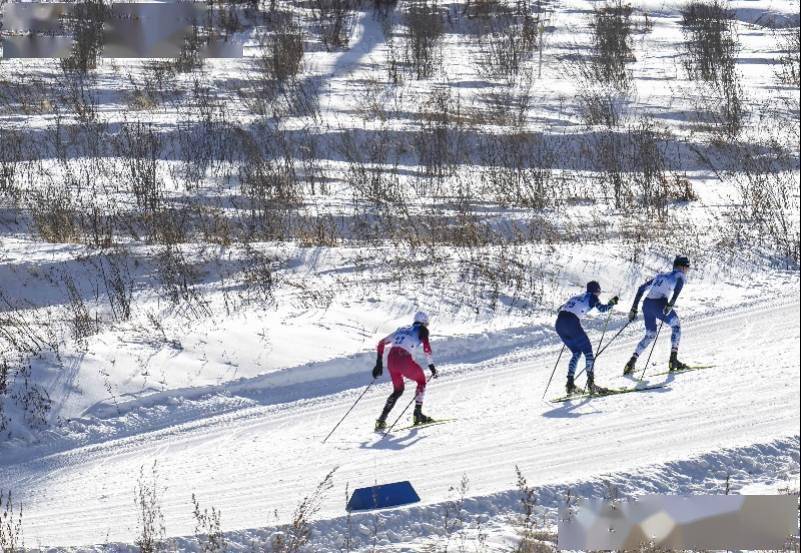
(423, 425)
(583, 394)
(686, 368)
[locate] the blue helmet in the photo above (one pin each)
(593, 287)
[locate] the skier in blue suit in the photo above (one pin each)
(568, 326)
(663, 291)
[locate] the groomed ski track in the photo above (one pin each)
(252, 461)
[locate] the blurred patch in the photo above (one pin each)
(676, 522)
(155, 30)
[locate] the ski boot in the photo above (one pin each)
(674, 364)
(592, 389)
(571, 385)
(380, 425)
(419, 417)
(629, 368)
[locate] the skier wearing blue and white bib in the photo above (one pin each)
(663, 291)
(568, 326)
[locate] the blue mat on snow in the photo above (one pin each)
(382, 496)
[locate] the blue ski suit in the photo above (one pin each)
(659, 288)
(568, 327)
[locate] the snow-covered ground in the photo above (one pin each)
(253, 460)
(231, 388)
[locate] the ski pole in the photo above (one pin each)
(553, 372)
(349, 410)
(658, 330)
(387, 431)
(606, 324)
(600, 351)
(603, 333)
(609, 343)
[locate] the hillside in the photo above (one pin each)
(197, 258)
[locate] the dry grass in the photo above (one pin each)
(12, 539)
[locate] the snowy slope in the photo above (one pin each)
(252, 461)
(233, 405)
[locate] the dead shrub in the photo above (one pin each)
(268, 178)
(21, 331)
(767, 216)
(508, 41)
(440, 145)
(372, 166)
(519, 170)
(603, 106)
(118, 283)
(295, 536)
(79, 92)
(710, 57)
(10, 160)
(147, 498)
(54, 212)
(86, 24)
(710, 45)
(152, 86)
(612, 50)
(334, 20)
(424, 31)
(208, 529)
(789, 72)
(509, 105)
(180, 280)
(82, 323)
(633, 168)
(655, 186)
(31, 397)
(527, 522)
(26, 93)
(189, 57)
(283, 56)
(258, 275)
(168, 225)
(140, 150)
(12, 539)
(483, 11)
(318, 231)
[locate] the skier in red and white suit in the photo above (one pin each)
(400, 362)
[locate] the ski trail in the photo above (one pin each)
(366, 37)
(250, 464)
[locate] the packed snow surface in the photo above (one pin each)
(252, 461)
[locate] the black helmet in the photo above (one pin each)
(593, 287)
(681, 261)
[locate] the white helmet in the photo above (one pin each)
(421, 317)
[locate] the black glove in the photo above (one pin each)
(433, 370)
(632, 314)
(668, 308)
(614, 301)
(378, 370)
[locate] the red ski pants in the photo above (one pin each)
(400, 364)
